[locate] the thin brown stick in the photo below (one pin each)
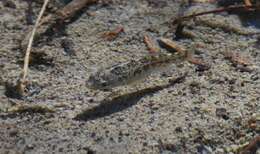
(218, 10)
(167, 43)
(29, 47)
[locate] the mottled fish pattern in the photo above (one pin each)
(123, 73)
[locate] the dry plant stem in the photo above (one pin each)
(219, 10)
(29, 47)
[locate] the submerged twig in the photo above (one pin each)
(218, 10)
(172, 46)
(22, 81)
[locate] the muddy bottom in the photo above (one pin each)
(213, 110)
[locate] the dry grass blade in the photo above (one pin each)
(22, 82)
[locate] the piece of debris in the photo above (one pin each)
(111, 35)
(213, 22)
(150, 45)
(172, 46)
(218, 10)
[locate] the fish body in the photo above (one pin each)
(124, 73)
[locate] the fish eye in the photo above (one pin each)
(104, 84)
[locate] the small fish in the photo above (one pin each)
(124, 73)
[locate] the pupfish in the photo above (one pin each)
(124, 73)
